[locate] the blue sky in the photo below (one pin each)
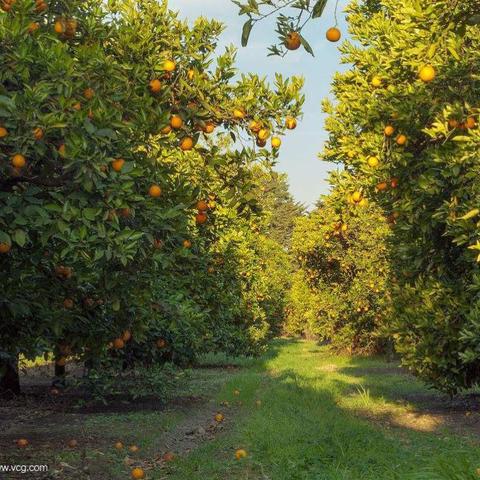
(300, 148)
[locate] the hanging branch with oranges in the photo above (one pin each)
(291, 18)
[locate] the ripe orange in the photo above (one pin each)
(22, 442)
(60, 26)
(255, 126)
(126, 335)
(382, 186)
(155, 85)
(168, 457)
(373, 162)
(276, 142)
(117, 164)
(41, 5)
(18, 160)
(38, 133)
(186, 144)
(394, 182)
(166, 130)
(3, 132)
(453, 123)
(68, 303)
(202, 205)
(333, 34)
(401, 139)
(187, 244)
(5, 247)
(292, 41)
(219, 417)
(138, 473)
(209, 127)
(33, 27)
(77, 106)
(118, 445)
(176, 121)
(118, 343)
(376, 82)
(427, 73)
(89, 93)
(72, 443)
(169, 66)
(357, 196)
(240, 453)
(470, 123)
(389, 130)
(201, 218)
(291, 123)
(154, 191)
(263, 134)
(133, 448)
(161, 343)
(239, 113)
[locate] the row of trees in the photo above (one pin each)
(129, 206)
(404, 126)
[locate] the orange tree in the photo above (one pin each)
(405, 123)
(340, 290)
(105, 111)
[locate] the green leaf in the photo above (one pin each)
(319, 8)
(20, 237)
(306, 46)
(247, 28)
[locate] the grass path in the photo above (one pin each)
(330, 418)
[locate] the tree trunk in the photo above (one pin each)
(9, 379)
(60, 374)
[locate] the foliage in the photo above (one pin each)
(116, 121)
(340, 293)
(410, 101)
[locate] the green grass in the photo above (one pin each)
(309, 427)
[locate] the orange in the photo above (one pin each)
(394, 182)
(453, 123)
(255, 126)
(389, 130)
(219, 417)
(166, 130)
(18, 160)
(77, 106)
(240, 453)
(209, 127)
(292, 41)
(117, 164)
(157, 244)
(176, 121)
(38, 133)
(191, 74)
(290, 123)
(126, 335)
(59, 26)
(138, 473)
(161, 343)
(33, 27)
(62, 150)
(263, 134)
(169, 65)
(201, 218)
(186, 143)
(72, 443)
(261, 143)
(376, 82)
(401, 139)
(168, 457)
(202, 205)
(89, 93)
(350, 154)
(187, 244)
(133, 448)
(118, 445)
(333, 34)
(357, 196)
(155, 85)
(155, 191)
(382, 186)
(276, 142)
(373, 162)
(118, 343)
(427, 73)
(3, 132)
(22, 442)
(68, 303)
(470, 123)
(239, 113)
